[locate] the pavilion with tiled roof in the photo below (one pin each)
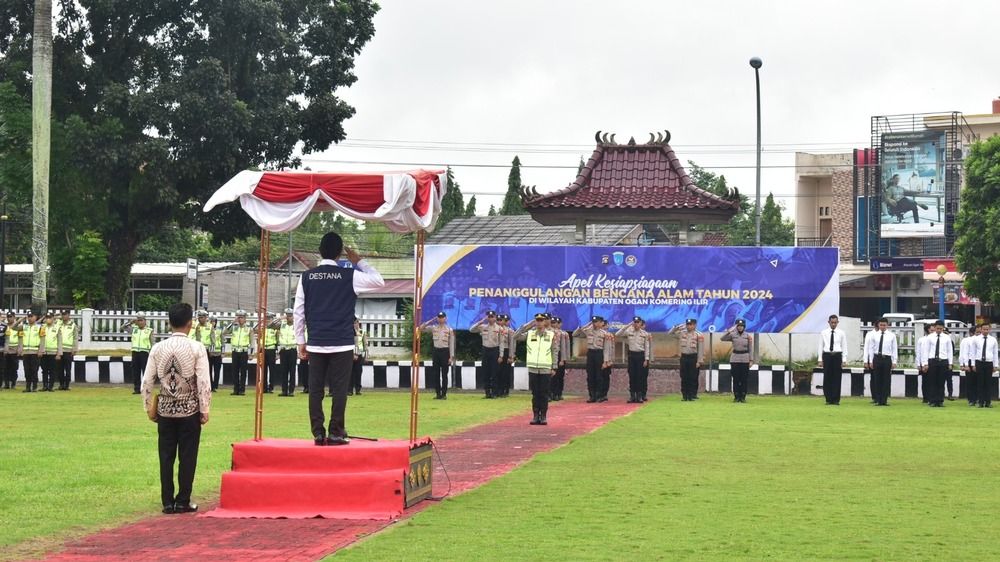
(627, 184)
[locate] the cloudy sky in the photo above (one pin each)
(472, 83)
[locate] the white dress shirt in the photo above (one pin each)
(918, 350)
(935, 346)
(976, 349)
(366, 279)
(839, 341)
(965, 351)
(889, 347)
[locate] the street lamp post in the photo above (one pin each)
(756, 63)
(3, 253)
(941, 271)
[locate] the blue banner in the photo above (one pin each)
(774, 289)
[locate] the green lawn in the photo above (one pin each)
(77, 461)
(778, 478)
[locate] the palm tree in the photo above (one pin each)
(41, 120)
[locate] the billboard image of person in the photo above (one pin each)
(912, 195)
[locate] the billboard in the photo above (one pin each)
(775, 289)
(913, 190)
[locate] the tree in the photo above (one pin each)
(512, 199)
(774, 229)
(452, 204)
(164, 100)
(492, 212)
(88, 268)
(977, 226)
(579, 167)
(41, 105)
(470, 209)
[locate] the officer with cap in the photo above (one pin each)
(488, 328)
(639, 355)
(443, 342)
(201, 332)
(12, 350)
(740, 358)
(214, 351)
(50, 347)
(69, 337)
(559, 378)
(142, 342)
(241, 341)
(360, 354)
(690, 346)
(600, 350)
(287, 354)
(541, 358)
(270, 350)
(508, 348)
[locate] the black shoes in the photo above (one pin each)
(602, 399)
(591, 400)
(319, 440)
(180, 508)
(169, 509)
(334, 440)
(536, 420)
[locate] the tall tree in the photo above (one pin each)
(470, 209)
(492, 212)
(512, 199)
(977, 226)
(453, 204)
(775, 230)
(41, 105)
(164, 100)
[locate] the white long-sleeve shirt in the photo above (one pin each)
(918, 350)
(839, 341)
(935, 346)
(889, 346)
(964, 351)
(366, 279)
(976, 349)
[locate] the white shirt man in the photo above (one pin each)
(881, 355)
(934, 359)
(832, 345)
(984, 353)
(967, 364)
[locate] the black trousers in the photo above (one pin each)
(689, 375)
(65, 369)
(833, 370)
(439, 369)
(595, 362)
(539, 385)
(970, 382)
(139, 359)
(335, 369)
(240, 360)
(502, 387)
(936, 371)
(178, 437)
(304, 375)
(215, 369)
(491, 370)
(31, 370)
(558, 381)
(287, 370)
(636, 371)
(903, 206)
(984, 378)
(48, 363)
(881, 380)
(740, 371)
(11, 361)
(357, 366)
(270, 368)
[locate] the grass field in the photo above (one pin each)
(77, 461)
(782, 478)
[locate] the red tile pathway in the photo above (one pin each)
(472, 458)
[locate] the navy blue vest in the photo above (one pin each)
(329, 310)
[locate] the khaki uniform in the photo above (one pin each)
(443, 338)
(690, 346)
(640, 350)
(491, 334)
(739, 361)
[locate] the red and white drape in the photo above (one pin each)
(280, 201)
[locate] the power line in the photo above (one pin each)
(555, 166)
(863, 143)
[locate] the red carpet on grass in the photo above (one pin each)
(472, 458)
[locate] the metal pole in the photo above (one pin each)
(3, 254)
(418, 282)
(756, 63)
(941, 299)
(288, 282)
(265, 254)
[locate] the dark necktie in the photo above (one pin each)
(984, 348)
(880, 339)
(831, 340)
(937, 347)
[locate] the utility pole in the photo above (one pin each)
(41, 128)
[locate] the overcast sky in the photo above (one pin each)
(472, 83)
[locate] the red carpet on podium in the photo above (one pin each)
(472, 457)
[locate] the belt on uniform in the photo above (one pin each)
(737, 351)
(494, 347)
(882, 356)
(984, 362)
(600, 350)
(832, 352)
(287, 348)
(240, 349)
(140, 351)
(689, 355)
(937, 360)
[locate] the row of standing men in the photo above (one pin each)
(46, 345)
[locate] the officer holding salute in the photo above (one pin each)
(740, 358)
(559, 379)
(541, 358)
(443, 342)
(690, 346)
(490, 333)
(68, 344)
(241, 341)
(32, 335)
(600, 350)
(639, 355)
(142, 342)
(287, 353)
(12, 351)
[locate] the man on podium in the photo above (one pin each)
(324, 308)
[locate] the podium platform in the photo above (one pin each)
(295, 479)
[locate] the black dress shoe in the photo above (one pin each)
(350, 393)
(591, 400)
(186, 508)
(319, 440)
(169, 509)
(357, 392)
(334, 440)
(602, 399)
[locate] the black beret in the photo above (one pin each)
(636, 319)
(442, 315)
(691, 321)
(597, 319)
(741, 322)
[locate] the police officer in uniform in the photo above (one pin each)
(201, 332)
(68, 344)
(740, 358)
(32, 348)
(215, 351)
(600, 350)
(639, 354)
(690, 346)
(508, 349)
(12, 350)
(360, 354)
(241, 340)
(50, 348)
(142, 342)
(559, 378)
(3, 351)
(443, 343)
(287, 354)
(270, 350)
(541, 359)
(490, 332)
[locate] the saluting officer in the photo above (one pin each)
(541, 358)
(360, 354)
(50, 348)
(600, 350)
(202, 333)
(443, 342)
(881, 356)
(559, 379)
(639, 355)
(832, 343)
(690, 346)
(215, 351)
(508, 347)
(69, 338)
(12, 350)
(270, 350)
(142, 342)
(490, 332)
(740, 358)
(241, 342)
(287, 353)
(985, 352)
(32, 334)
